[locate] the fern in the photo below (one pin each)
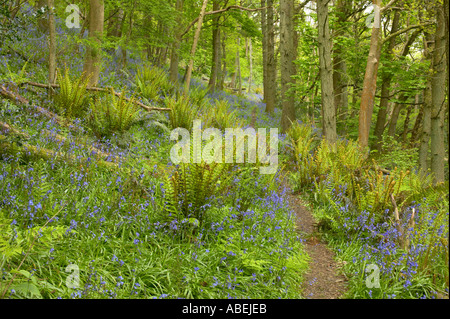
(220, 117)
(112, 114)
(182, 112)
(152, 82)
(72, 99)
(192, 186)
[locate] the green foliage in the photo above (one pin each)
(219, 116)
(152, 82)
(395, 154)
(13, 77)
(112, 114)
(183, 111)
(192, 187)
(72, 100)
(15, 241)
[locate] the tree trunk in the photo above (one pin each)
(215, 62)
(52, 43)
(250, 64)
(223, 73)
(438, 98)
(264, 48)
(339, 64)
(326, 73)
(194, 47)
(271, 65)
(370, 79)
(92, 61)
(287, 63)
(418, 123)
(426, 130)
(175, 54)
(385, 87)
(238, 65)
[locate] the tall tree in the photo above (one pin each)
(194, 47)
(271, 66)
(287, 53)
(426, 126)
(326, 72)
(438, 97)
(92, 61)
(215, 61)
(264, 46)
(175, 54)
(51, 42)
(343, 7)
(370, 78)
(386, 85)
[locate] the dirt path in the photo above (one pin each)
(322, 280)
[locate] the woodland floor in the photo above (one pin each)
(323, 280)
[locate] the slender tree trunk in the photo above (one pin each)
(395, 114)
(438, 98)
(264, 48)
(326, 73)
(92, 61)
(175, 55)
(223, 73)
(339, 64)
(238, 65)
(287, 63)
(418, 123)
(215, 62)
(194, 47)
(370, 79)
(271, 65)
(52, 43)
(426, 130)
(385, 87)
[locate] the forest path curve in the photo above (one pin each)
(322, 280)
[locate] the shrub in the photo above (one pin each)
(153, 82)
(183, 112)
(112, 114)
(72, 100)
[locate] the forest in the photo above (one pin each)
(224, 149)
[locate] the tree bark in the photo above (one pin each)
(194, 47)
(175, 54)
(264, 48)
(52, 43)
(287, 63)
(92, 61)
(326, 73)
(438, 98)
(271, 65)
(339, 64)
(385, 87)
(370, 79)
(215, 62)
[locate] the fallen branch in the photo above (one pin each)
(107, 90)
(18, 99)
(10, 148)
(6, 128)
